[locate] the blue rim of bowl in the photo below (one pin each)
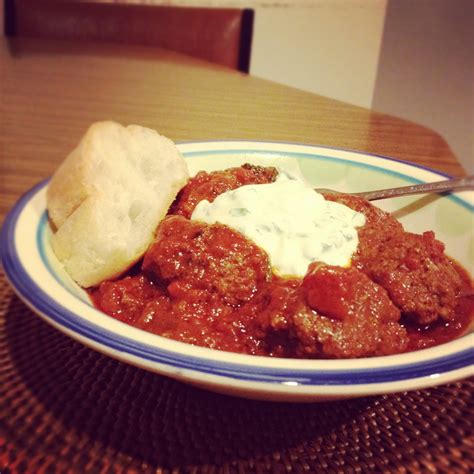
(39, 300)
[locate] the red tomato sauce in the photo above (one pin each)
(210, 286)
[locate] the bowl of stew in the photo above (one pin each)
(204, 307)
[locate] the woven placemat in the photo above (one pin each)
(66, 408)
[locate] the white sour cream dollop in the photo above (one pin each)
(290, 221)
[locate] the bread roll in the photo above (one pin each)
(107, 198)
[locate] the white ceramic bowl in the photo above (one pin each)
(43, 285)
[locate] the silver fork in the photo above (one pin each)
(455, 184)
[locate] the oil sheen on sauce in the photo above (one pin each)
(294, 224)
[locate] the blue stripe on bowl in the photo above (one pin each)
(327, 147)
(30, 291)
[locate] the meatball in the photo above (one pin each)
(379, 226)
(209, 185)
(336, 313)
(419, 278)
(273, 309)
(355, 315)
(200, 260)
(125, 299)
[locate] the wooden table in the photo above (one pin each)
(52, 91)
(66, 408)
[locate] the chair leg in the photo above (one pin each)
(246, 40)
(9, 18)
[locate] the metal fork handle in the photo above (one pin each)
(455, 184)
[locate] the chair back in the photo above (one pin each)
(218, 35)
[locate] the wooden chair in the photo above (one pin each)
(219, 35)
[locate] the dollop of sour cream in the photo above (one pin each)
(294, 224)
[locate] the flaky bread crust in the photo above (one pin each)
(108, 196)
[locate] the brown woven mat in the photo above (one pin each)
(66, 408)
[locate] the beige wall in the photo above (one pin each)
(331, 48)
(426, 69)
